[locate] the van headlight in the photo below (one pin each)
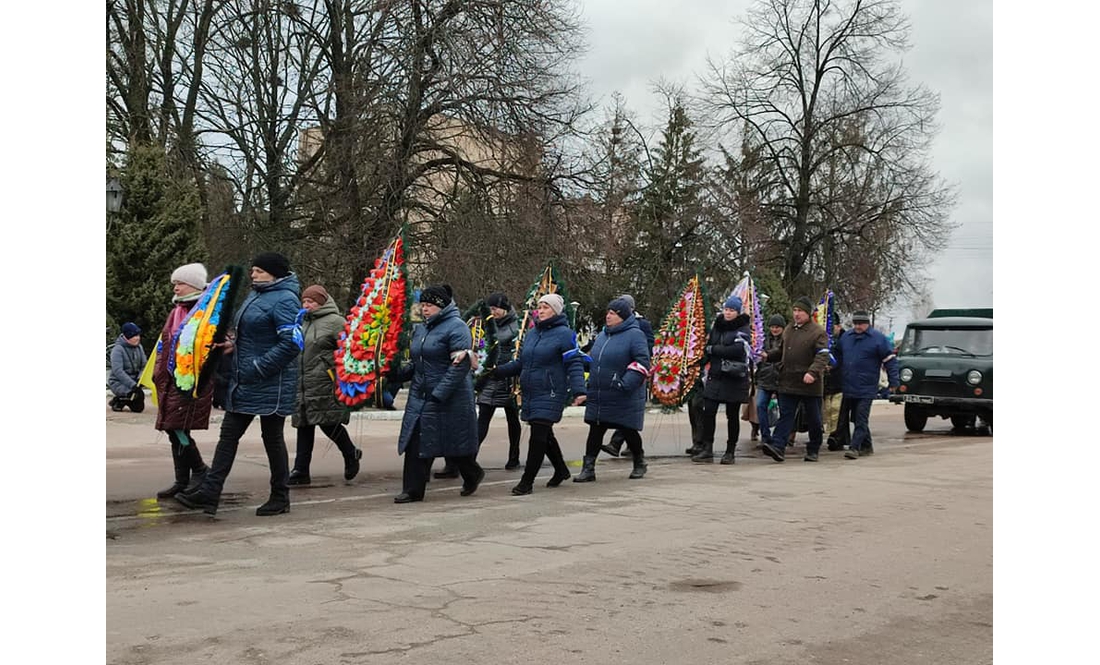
(906, 374)
(974, 377)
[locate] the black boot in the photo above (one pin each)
(274, 506)
(588, 471)
(705, 454)
(183, 473)
(196, 479)
(640, 466)
(731, 449)
(694, 450)
(199, 500)
(513, 456)
(298, 477)
(351, 464)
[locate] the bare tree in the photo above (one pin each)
(842, 137)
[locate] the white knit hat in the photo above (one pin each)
(555, 302)
(192, 274)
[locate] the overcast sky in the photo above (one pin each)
(634, 43)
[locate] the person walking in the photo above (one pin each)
(831, 397)
(180, 412)
(262, 381)
(127, 362)
(615, 446)
(551, 370)
(316, 402)
(863, 352)
(728, 350)
(496, 392)
(439, 416)
(802, 356)
(767, 377)
(617, 381)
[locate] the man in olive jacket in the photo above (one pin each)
(803, 357)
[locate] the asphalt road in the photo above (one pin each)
(885, 559)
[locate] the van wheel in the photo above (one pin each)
(915, 418)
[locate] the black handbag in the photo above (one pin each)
(733, 369)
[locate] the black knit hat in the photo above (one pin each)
(777, 320)
(621, 306)
(272, 262)
(498, 299)
(803, 303)
(440, 295)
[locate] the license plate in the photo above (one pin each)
(920, 399)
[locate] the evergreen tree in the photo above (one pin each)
(156, 231)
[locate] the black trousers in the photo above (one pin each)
(596, 433)
(695, 416)
(485, 416)
(303, 454)
(234, 425)
(710, 417)
(542, 444)
(415, 472)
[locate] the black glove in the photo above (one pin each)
(394, 372)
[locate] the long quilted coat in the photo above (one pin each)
(262, 371)
(550, 369)
(617, 376)
(448, 421)
(317, 404)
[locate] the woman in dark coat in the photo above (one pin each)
(616, 388)
(728, 341)
(551, 370)
(262, 377)
(177, 411)
(767, 376)
(439, 416)
(497, 391)
(317, 404)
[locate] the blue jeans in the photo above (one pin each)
(762, 399)
(811, 411)
(861, 416)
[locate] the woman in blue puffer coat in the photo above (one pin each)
(440, 420)
(616, 387)
(266, 341)
(550, 369)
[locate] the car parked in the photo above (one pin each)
(945, 364)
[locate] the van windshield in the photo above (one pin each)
(959, 341)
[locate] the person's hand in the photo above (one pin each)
(763, 355)
(394, 371)
(227, 346)
(579, 400)
(808, 378)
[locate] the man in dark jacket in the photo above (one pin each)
(802, 358)
(862, 351)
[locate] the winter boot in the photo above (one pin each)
(755, 436)
(449, 471)
(513, 456)
(705, 454)
(731, 449)
(615, 446)
(274, 506)
(640, 466)
(183, 473)
(588, 471)
(351, 464)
